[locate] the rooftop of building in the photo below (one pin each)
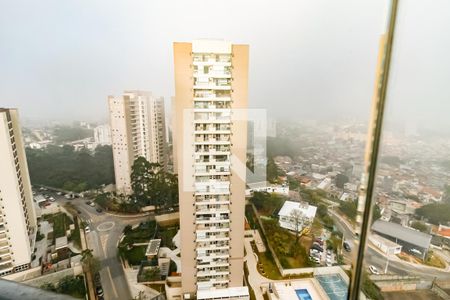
(405, 234)
(288, 206)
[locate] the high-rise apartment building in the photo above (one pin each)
(210, 140)
(102, 135)
(137, 123)
(17, 212)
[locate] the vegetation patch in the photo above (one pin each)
(69, 285)
(60, 222)
(65, 168)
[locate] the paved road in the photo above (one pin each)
(379, 260)
(105, 233)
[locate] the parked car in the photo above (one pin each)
(99, 290)
(88, 202)
(52, 199)
(414, 250)
(59, 193)
(92, 204)
(99, 210)
(315, 259)
(317, 247)
(373, 270)
(87, 229)
(347, 247)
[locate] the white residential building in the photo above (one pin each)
(265, 186)
(102, 135)
(294, 214)
(17, 211)
(137, 129)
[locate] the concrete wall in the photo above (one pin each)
(54, 277)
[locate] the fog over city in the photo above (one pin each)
(59, 60)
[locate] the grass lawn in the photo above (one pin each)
(143, 233)
(135, 255)
(60, 223)
(265, 259)
(166, 235)
(290, 253)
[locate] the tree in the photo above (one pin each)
(90, 263)
(376, 213)
(71, 285)
(48, 286)
(152, 185)
(296, 219)
(349, 208)
(421, 226)
(152, 273)
(436, 213)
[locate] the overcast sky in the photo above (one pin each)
(308, 59)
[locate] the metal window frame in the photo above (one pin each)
(374, 138)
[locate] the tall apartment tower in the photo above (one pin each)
(137, 123)
(17, 212)
(102, 135)
(210, 140)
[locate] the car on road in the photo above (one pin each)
(374, 270)
(315, 259)
(347, 247)
(317, 247)
(87, 229)
(414, 250)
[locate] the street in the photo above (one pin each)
(105, 232)
(373, 257)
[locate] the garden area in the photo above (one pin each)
(69, 285)
(143, 233)
(60, 222)
(291, 252)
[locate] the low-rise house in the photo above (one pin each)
(296, 215)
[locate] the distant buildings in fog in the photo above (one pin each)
(102, 135)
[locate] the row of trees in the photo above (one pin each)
(152, 185)
(65, 168)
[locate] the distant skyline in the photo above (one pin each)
(59, 60)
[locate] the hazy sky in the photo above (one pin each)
(308, 59)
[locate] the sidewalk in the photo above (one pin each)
(89, 279)
(255, 280)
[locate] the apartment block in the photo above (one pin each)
(17, 211)
(137, 123)
(102, 135)
(210, 140)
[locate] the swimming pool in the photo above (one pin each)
(303, 294)
(334, 285)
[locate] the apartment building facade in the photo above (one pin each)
(17, 211)
(137, 123)
(210, 143)
(102, 135)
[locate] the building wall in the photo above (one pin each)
(17, 212)
(137, 129)
(120, 139)
(185, 159)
